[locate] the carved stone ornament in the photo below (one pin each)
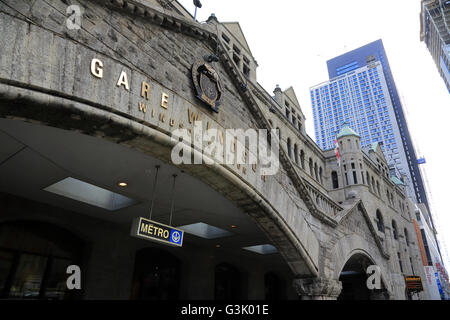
(318, 288)
(207, 84)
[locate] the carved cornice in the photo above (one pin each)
(318, 288)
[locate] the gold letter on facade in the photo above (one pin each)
(164, 100)
(97, 68)
(123, 80)
(145, 92)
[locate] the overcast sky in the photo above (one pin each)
(292, 40)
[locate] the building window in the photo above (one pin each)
(412, 266)
(320, 175)
(302, 159)
(400, 262)
(380, 221)
(355, 178)
(316, 173)
(289, 148)
(246, 71)
(394, 230)
(406, 237)
(334, 179)
(237, 50)
(296, 153)
(310, 167)
(225, 38)
(236, 59)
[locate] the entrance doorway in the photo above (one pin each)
(273, 286)
(227, 282)
(354, 278)
(34, 257)
(156, 275)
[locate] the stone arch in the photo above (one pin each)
(299, 250)
(353, 277)
(352, 244)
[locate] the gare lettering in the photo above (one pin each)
(97, 71)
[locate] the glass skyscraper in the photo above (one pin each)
(435, 32)
(362, 92)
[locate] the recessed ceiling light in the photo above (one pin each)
(233, 226)
(122, 184)
(217, 245)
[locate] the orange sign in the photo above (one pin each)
(420, 243)
(413, 283)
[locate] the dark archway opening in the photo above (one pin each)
(156, 275)
(273, 287)
(34, 257)
(354, 280)
(227, 282)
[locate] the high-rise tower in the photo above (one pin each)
(435, 32)
(362, 92)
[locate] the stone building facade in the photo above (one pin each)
(99, 104)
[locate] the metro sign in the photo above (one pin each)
(158, 232)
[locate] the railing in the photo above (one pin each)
(322, 201)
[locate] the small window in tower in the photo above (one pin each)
(246, 70)
(225, 38)
(236, 59)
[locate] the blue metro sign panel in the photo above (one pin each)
(154, 231)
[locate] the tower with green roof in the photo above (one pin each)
(351, 157)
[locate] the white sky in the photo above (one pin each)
(292, 40)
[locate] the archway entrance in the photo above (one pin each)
(227, 282)
(354, 280)
(34, 257)
(274, 287)
(156, 275)
(56, 171)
